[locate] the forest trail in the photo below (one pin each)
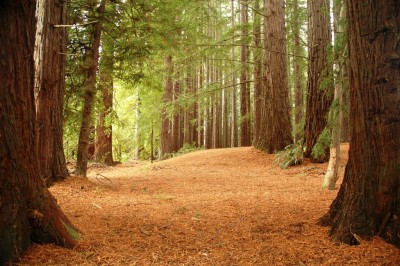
(209, 207)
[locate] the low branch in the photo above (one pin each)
(75, 25)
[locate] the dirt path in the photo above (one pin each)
(214, 207)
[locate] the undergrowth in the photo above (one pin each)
(291, 155)
(186, 148)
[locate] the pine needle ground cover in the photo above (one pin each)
(214, 207)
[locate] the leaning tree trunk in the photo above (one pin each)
(49, 88)
(318, 99)
(90, 91)
(275, 126)
(335, 114)
(368, 202)
(28, 212)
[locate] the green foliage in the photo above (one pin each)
(322, 145)
(186, 148)
(291, 155)
(75, 235)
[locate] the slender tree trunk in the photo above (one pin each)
(367, 203)
(245, 126)
(28, 212)
(335, 114)
(167, 130)
(258, 81)
(90, 91)
(103, 146)
(298, 83)
(50, 52)
(319, 99)
(136, 132)
(234, 127)
(275, 126)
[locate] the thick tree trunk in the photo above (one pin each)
(28, 212)
(90, 91)
(50, 87)
(318, 98)
(275, 126)
(368, 202)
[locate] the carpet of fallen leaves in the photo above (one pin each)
(210, 207)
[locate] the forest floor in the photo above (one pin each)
(210, 207)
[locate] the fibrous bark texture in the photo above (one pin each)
(28, 212)
(275, 126)
(318, 97)
(50, 87)
(368, 202)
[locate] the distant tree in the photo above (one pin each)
(335, 113)
(168, 138)
(103, 147)
(319, 98)
(257, 70)
(234, 127)
(275, 126)
(245, 113)
(51, 44)
(367, 203)
(28, 212)
(89, 93)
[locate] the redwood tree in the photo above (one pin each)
(275, 126)
(368, 202)
(245, 113)
(318, 99)
(28, 212)
(50, 87)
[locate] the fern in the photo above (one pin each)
(291, 155)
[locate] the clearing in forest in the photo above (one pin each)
(211, 207)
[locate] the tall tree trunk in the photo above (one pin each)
(245, 126)
(234, 127)
(318, 98)
(28, 212)
(258, 81)
(275, 126)
(90, 91)
(51, 43)
(298, 83)
(136, 131)
(167, 140)
(367, 203)
(103, 145)
(335, 113)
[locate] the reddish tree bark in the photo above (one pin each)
(275, 126)
(28, 212)
(50, 86)
(368, 200)
(318, 99)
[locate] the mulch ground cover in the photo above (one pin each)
(211, 207)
